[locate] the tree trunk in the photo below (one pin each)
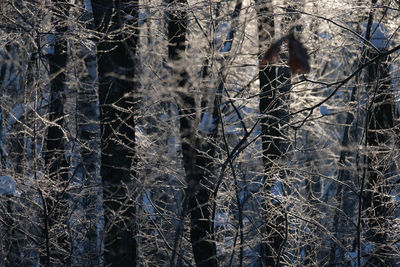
(88, 133)
(197, 157)
(55, 206)
(380, 119)
(116, 55)
(272, 108)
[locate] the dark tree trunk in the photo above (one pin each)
(10, 249)
(344, 198)
(197, 154)
(116, 54)
(57, 165)
(380, 119)
(272, 107)
(54, 157)
(88, 135)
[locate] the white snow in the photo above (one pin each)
(207, 123)
(146, 202)
(142, 18)
(48, 48)
(277, 189)
(227, 47)
(7, 186)
(324, 110)
(221, 37)
(379, 34)
(88, 5)
(221, 32)
(16, 114)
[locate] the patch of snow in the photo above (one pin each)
(92, 69)
(352, 257)
(324, 110)
(128, 17)
(379, 34)
(223, 35)
(173, 146)
(233, 129)
(146, 202)
(396, 196)
(277, 192)
(163, 117)
(368, 247)
(16, 114)
(227, 47)
(28, 142)
(221, 31)
(207, 123)
(7, 186)
(325, 35)
(142, 18)
(48, 48)
(88, 5)
(277, 189)
(221, 220)
(302, 254)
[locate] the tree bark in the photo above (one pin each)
(197, 153)
(88, 135)
(116, 55)
(380, 119)
(272, 108)
(55, 205)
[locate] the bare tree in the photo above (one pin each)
(55, 203)
(117, 22)
(199, 133)
(196, 152)
(274, 88)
